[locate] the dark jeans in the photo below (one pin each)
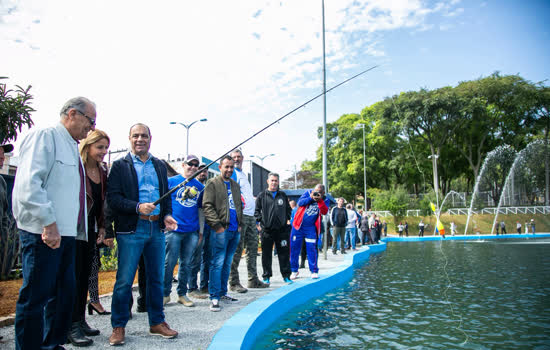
(281, 241)
(45, 304)
(205, 257)
(83, 265)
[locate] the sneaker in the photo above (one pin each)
(315, 275)
(196, 294)
(238, 288)
(163, 330)
(204, 291)
(228, 299)
(215, 306)
(183, 299)
(294, 275)
(288, 280)
(266, 280)
(165, 300)
(257, 284)
(117, 338)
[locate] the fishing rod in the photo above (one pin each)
(196, 173)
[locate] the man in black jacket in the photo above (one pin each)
(273, 213)
(339, 220)
(134, 184)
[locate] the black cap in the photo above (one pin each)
(7, 147)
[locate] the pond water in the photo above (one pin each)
(491, 294)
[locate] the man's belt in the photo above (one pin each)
(149, 217)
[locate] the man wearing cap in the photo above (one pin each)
(49, 206)
(135, 183)
(182, 242)
(4, 211)
(249, 233)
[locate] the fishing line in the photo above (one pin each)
(196, 173)
(449, 282)
(449, 285)
(412, 151)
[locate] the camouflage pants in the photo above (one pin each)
(249, 241)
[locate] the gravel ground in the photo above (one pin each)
(196, 325)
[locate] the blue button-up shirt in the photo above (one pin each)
(148, 182)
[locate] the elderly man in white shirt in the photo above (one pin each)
(50, 209)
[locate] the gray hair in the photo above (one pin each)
(79, 103)
(236, 150)
(272, 174)
(321, 186)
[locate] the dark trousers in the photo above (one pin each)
(282, 244)
(338, 232)
(83, 265)
(45, 304)
(303, 256)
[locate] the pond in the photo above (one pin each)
(431, 295)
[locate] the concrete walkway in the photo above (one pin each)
(196, 325)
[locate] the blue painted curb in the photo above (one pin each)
(247, 325)
(462, 238)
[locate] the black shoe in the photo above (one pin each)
(91, 309)
(77, 337)
(87, 330)
(141, 308)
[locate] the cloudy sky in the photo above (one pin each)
(245, 63)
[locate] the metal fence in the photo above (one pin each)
(464, 211)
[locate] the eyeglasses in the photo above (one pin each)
(92, 121)
(193, 164)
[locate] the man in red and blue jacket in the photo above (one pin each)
(306, 227)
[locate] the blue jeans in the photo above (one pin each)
(179, 245)
(223, 246)
(205, 257)
(149, 241)
(43, 311)
(351, 234)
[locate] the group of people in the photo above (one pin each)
(67, 203)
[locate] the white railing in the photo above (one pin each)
(464, 211)
(502, 210)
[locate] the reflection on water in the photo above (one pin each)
(397, 301)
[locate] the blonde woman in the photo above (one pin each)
(92, 151)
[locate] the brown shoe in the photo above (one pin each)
(257, 284)
(163, 330)
(237, 288)
(117, 338)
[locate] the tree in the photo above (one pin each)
(15, 111)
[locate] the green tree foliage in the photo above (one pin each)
(15, 111)
(458, 124)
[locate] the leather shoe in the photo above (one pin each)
(163, 330)
(87, 330)
(77, 337)
(117, 338)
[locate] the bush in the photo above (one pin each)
(109, 258)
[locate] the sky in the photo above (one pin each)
(243, 64)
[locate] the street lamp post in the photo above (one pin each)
(362, 126)
(187, 127)
(262, 158)
(434, 157)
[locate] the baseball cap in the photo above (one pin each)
(202, 165)
(190, 158)
(7, 147)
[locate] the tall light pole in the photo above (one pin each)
(434, 157)
(362, 126)
(295, 177)
(325, 178)
(187, 127)
(262, 158)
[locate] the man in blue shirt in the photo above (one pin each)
(134, 184)
(182, 242)
(223, 210)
